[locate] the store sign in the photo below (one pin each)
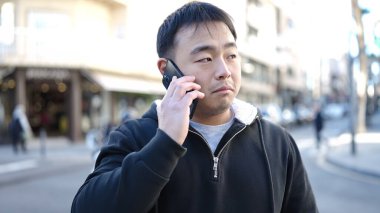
(55, 74)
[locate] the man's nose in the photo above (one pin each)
(222, 70)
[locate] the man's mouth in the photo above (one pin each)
(223, 89)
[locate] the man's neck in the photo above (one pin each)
(212, 119)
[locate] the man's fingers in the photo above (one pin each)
(179, 87)
(190, 96)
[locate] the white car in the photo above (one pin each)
(333, 111)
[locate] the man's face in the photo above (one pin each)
(210, 54)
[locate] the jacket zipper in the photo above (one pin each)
(216, 158)
(215, 167)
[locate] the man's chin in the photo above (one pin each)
(220, 106)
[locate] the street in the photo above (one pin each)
(336, 190)
(51, 186)
(48, 193)
(49, 183)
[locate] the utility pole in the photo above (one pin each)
(353, 103)
(363, 77)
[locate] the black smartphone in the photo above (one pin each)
(171, 70)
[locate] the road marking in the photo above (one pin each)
(346, 138)
(18, 166)
(303, 144)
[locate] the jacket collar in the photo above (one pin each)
(244, 112)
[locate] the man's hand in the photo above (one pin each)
(174, 111)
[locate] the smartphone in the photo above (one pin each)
(171, 70)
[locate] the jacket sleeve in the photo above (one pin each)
(126, 178)
(298, 196)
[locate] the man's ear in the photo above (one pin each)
(161, 64)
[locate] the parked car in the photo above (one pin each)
(304, 114)
(288, 117)
(334, 111)
(284, 117)
(271, 112)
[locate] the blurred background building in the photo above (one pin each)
(71, 63)
(80, 64)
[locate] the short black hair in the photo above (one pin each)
(191, 13)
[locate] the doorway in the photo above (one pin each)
(48, 106)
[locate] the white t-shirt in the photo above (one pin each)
(212, 134)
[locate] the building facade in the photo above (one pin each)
(80, 64)
(68, 63)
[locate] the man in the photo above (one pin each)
(318, 125)
(19, 129)
(226, 159)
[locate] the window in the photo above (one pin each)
(252, 31)
(290, 71)
(256, 71)
(7, 17)
(278, 21)
(49, 33)
(290, 23)
(48, 21)
(255, 2)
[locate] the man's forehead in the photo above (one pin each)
(199, 35)
(209, 28)
(207, 47)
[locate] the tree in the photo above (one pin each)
(363, 77)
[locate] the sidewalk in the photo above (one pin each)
(366, 161)
(61, 152)
(58, 153)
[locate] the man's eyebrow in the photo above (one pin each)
(211, 48)
(229, 45)
(202, 48)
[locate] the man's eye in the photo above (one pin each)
(232, 56)
(204, 60)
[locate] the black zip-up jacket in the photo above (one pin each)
(255, 168)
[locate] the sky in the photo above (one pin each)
(329, 29)
(324, 26)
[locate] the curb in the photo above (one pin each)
(367, 163)
(356, 169)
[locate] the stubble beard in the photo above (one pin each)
(214, 109)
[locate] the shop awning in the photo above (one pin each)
(122, 83)
(5, 72)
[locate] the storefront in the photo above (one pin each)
(54, 99)
(70, 102)
(7, 98)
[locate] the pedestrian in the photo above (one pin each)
(318, 125)
(19, 128)
(2, 118)
(226, 158)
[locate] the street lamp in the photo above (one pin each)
(375, 68)
(376, 33)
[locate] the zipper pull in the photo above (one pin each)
(215, 168)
